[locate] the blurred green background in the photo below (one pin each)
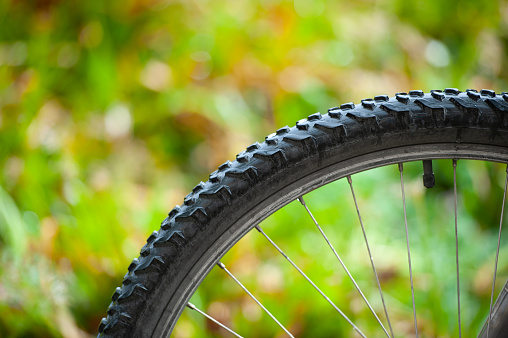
(111, 111)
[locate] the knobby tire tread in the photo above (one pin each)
(406, 118)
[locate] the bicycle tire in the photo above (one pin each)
(289, 163)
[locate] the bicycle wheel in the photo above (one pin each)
(288, 164)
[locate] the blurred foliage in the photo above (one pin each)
(110, 111)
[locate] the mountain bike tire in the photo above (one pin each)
(289, 163)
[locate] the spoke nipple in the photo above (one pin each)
(507, 169)
(401, 167)
(258, 228)
(191, 306)
(455, 163)
(301, 200)
(349, 180)
(220, 265)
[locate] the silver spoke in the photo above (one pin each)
(193, 307)
(302, 201)
(497, 252)
(456, 240)
(350, 181)
(401, 168)
(310, 281)
(223, 267)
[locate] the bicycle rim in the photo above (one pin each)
(459, 127)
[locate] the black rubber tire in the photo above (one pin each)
(291, 162)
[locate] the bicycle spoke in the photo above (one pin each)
(223, 267)
(258, 228)
(193, 307)
(350, 181)
(401, 168)
(456, 239)
(302, 201)
(497, 252)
